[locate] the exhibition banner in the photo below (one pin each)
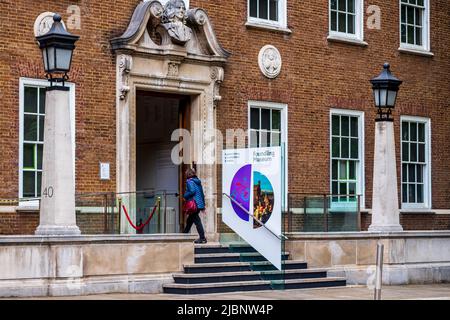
(252, 177)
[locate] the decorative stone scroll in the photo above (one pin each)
(125, 63)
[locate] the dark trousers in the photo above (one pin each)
(195, 218)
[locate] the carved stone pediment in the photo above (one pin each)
(171, 30)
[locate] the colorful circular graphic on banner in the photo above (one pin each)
(240, 191)
(263, 199)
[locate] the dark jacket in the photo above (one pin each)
(194, 190)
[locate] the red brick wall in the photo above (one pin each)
(27, 222)
(316, 75)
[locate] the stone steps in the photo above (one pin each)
(238, 267)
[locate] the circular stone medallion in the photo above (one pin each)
(43, 23)
(269, 61)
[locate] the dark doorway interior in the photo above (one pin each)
(157, 117)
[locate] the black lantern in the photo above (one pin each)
(57, 46)
(385, 88)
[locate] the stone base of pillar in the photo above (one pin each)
(385, 228)
(46, 230)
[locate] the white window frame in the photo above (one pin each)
(427, 172)
(283, 108)
(425, 30)
(359, 24)
(282, 17)
(360, 186)
(39, 83)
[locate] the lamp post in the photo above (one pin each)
(385, 211)
(57, 206)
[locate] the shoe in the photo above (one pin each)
(200, 241)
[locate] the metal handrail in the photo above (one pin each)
(257, 220)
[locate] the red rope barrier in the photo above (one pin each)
(142, 226)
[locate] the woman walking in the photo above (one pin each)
(194, 190)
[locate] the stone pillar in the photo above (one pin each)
(57, 211)
(385, 211)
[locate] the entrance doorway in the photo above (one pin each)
(157, 117)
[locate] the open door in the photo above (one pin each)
(184, 123)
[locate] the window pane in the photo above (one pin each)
(30, 99)
(254, 8)
(334, 169)
(413, 131)
(345, 126)
(404, 173)
(273, 6)
(404, 193)
(354, 148)
(352, 170)
(403, 32)
(343, 170)
(418, 17)
(265, 139)
(411, 173)
(276, 139)
(405, 151)
(420, 193)
(352, 188)
(351, 6)
(420, 2)
(28, 184)
(335, 125)
(334, 188)
(344, 147)
(351, 24)
(418, 36)
(254, 139)
(411, 34)
(413, 152)
(39, 156)
(39, 183)
(28, 155)
(41, 128)
(421, 132)
(254, 118)
(42, 100)
(419, 175)
(334, 20)
(333, 4)
(342, 5)
(265, 119)
(405, 131)
(276, 120)
(421, 152)
(354, 127)
(342, 22)
(30, 127)
(403, 14)
(263, 6)
(335, 147)
(410, 15)
(342, 188)
(412, 193)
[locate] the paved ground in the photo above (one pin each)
(422, 292)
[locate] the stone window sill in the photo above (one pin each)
(267, 27)
(25, 209)
(417, 52)
(347, 40)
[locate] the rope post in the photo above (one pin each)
(379, 272)
(119, 199)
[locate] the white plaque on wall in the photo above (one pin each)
(269, 61)
(104, 171)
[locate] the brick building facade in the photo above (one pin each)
(325, 73)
